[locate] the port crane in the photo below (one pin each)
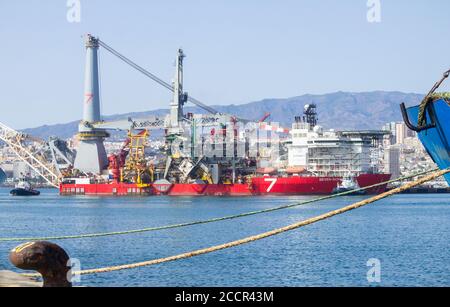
(91, 155)
(180, 98)
(184, 96)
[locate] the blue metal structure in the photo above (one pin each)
(435, 136)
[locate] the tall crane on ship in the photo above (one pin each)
(91, 155)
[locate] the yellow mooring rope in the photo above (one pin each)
(218, 219)
(265, 234)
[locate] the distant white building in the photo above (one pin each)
(399, 132)
(21, 170)
(392, 161)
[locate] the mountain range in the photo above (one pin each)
(339, 111)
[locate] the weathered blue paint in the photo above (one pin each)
(436, 140)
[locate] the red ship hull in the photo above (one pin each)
(313, 185)
(259, 186)
(119, 189)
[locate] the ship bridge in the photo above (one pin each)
(376, 136)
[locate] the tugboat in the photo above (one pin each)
(349, 184)
(23, 188)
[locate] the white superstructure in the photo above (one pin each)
(328, 153)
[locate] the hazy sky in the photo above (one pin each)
(238, 51)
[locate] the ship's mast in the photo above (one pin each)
(310, 115)
(179, 97)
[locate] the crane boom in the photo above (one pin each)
(154, 77)
(14, 140)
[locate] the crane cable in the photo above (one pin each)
(154, 77)
(264, 235)
(231, 217)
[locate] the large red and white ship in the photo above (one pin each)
(316, 163)
(213, 154)
(269, 185)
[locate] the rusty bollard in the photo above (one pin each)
(50, 260)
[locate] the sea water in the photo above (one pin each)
(407, 235)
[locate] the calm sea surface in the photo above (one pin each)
(409, 234)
